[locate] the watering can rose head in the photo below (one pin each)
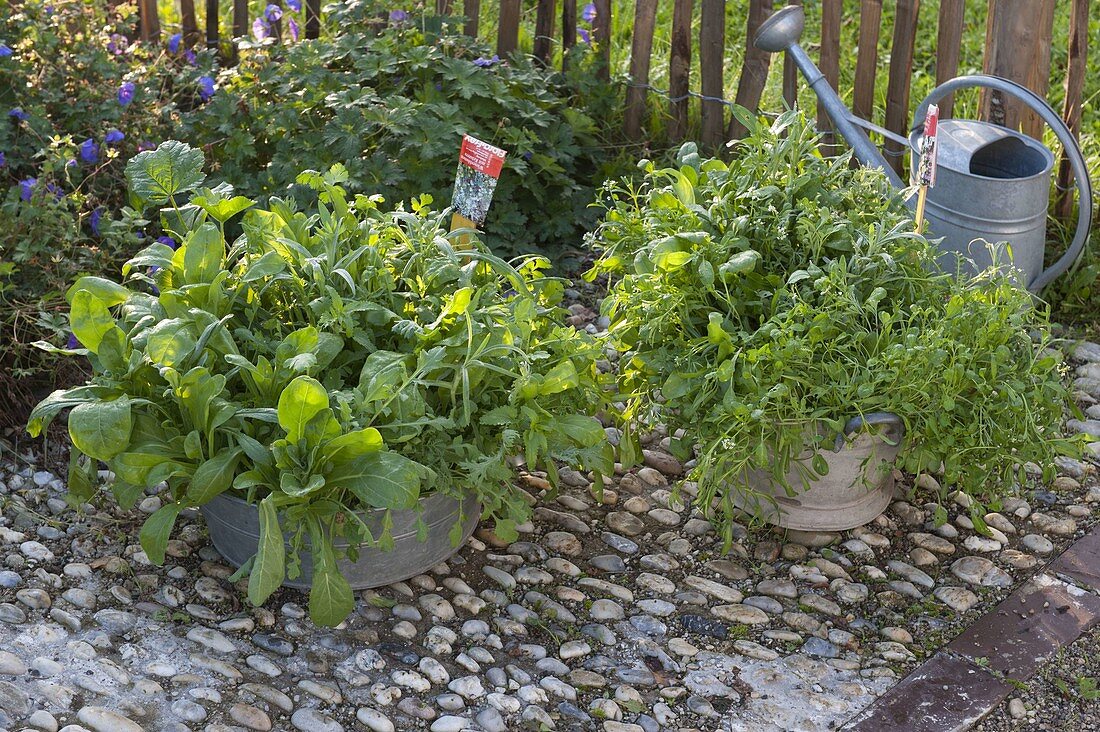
(328, 362)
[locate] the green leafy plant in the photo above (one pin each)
(325, 362)
(757, 299)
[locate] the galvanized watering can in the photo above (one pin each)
(993, 183)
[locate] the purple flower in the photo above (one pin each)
(189, 57)
(126, 93)
(273, 12)
(3, 160)
(486, 62)
(18, 113)
(293, 28)
(55, 190)
(588, 14)
(167, 241)
(295, 5)
(72, 343)
(113, 137)
(206, 88)
(5, 50)
(117, 44)
(89, 151)
(259, 29)
(585, 36)
(26, 188)
(70, 163)
(398, 16)
(527, 155)
(93, 220)
(146, 145)
(174, 43)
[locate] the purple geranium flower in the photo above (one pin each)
(585, 36)
(18, 113)
(293, 28)
(126, 93)
(273, 12)
(146, 145)
(486, 62)
(167, 241)
(89, 151)
(3, 160)
(118, 44)
(588, 14)
(398, 16)
(93, 220)
(295, 5)
(174, 43)
(55, 190)
(5, 50)
(189, 57)
(71, 162)
(72, 342)
(206, 88)
(259, 29)
(26, 188)
(113, 137)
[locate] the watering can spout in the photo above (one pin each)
(781, 32)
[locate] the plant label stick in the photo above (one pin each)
(479, 166)
(926, 168)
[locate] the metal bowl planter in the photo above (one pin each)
(234, 527)
(858, 487)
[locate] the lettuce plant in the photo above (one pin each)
(323, 363)
(755, 298)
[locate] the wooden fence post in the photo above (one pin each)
(679, 69)
(712, 46)
(149, 20)
(901, 71)
(948, 47)
(212, 11)
(443, 7)
(508, 29)
(568, 30)
(544, 30)
(1071, 110)
(870, 25)
(602, 35)
(641, 48)
(1013, 37)
(830, 67)
(790, 76)
(754, 69)
(313, 18)
(190, 25)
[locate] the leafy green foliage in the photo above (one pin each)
(392, 105)
(325, 362)
(757, 298)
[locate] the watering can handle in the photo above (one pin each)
(894, 427)
(1069, 143)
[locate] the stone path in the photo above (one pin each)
(619, 614)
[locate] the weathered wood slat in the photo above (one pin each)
(679, 69)
(754, 69)
(790, 76)
(149, 20)
(568, 29)
(313, 18)
(1076, 68)
(641, 49)
(1039, 81)
(508, 29)
(829, 64)
(870, 25)
(601, 33)
(444, 7)
(240, 18)
(472, 10)
(901, 70)
(544, 30)
(189, 23)
(712, 39)
(948, 47)
(1012, 40)
(212, 38)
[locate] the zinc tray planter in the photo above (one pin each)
(234, 527)
(857, 488)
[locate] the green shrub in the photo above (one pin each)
(392, 105)
(754, 298)
(334, 360)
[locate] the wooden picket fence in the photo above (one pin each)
(1019, 41)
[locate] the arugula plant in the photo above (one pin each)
(326, 362)
(755, 299)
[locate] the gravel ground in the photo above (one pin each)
(613, 613)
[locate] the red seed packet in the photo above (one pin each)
(479, 166)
